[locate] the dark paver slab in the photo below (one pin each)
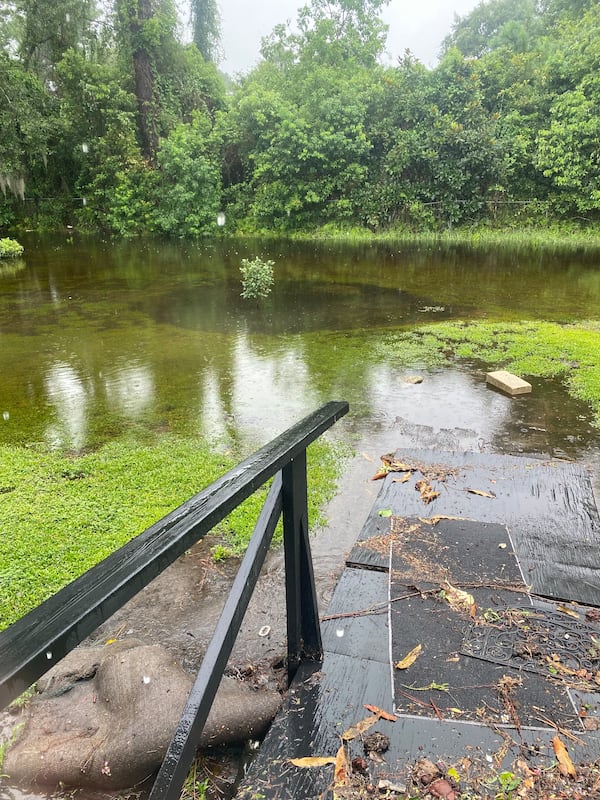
(534, 524)
(547, 506)
(321, 706)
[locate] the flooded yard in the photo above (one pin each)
(99, 340)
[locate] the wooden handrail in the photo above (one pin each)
(33, 644)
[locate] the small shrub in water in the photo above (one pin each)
(257, 278)
(10, 248)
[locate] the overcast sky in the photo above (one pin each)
(419, 25)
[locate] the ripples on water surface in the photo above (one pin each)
(97, 339)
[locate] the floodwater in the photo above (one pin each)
(98, 339)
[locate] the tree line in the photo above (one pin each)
(111, 120)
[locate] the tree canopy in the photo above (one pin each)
(113, 121)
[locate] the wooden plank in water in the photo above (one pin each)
(507, 382)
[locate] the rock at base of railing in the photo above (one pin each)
(105, 717)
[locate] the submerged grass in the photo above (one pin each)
(60, 515)
(541, 349)
(550, 239)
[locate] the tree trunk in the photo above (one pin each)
(144, 82)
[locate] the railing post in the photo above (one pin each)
(303, 632)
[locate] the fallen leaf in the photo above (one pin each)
(565, 765)
(359, 728)
(556, 666)
(403, 479)
(425, 771)
(340, 774)
(392, 463)
(480, 493)
(438, 518)
(426, 490)
(410, 658)
(442, 789)
(568, 611)
(593, 615)
(312, 761)
(388, 786)
(458, 599)
(367, 456)
(380, 474)
(380, 712)
(385, 512)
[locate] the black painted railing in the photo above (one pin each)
(37, 641)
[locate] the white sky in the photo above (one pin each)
(419, 25)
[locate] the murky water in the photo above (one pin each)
(97, 338)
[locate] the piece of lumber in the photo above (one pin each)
(507, 382)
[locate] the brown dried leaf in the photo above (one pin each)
(391, 462)
(480, 493)
(426, 490)
(380, 712)
(442, 789)
(565, 765)
(380, 474)
(359, 728)
(403, 479)
(458, 599)
(438, 518)
(340, 774)
(593, 615)
(312, 761)
(410, 658)
(568, 611)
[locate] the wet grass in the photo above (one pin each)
(60, 514)
(551, 239)
(529, 349)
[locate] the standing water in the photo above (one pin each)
(98, 340)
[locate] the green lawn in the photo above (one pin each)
(61, 515)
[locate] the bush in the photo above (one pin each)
(9, 248)
(257, 278)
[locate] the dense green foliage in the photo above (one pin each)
(9, 248)
(72, 512)
(257, 278)
(112, 122)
